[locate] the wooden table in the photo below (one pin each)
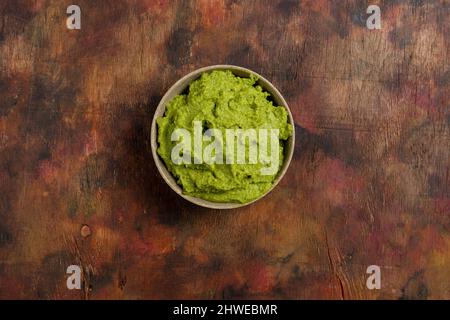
(369, 183)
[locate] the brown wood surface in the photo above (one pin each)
(369, 182)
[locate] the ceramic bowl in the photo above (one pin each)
(179, 87)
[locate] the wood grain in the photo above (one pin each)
(369, 182)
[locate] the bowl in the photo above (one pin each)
(179, 87)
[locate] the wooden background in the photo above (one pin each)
(369, 182)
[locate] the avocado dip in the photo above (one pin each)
(219, 102)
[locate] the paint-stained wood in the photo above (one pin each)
(369, 182)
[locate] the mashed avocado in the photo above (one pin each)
(220, 100)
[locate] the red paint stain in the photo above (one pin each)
(305, 111)
(422, 96)
(48, 172)
(260, 277)
(427, 241)
(442, 205)
(37, 5)
(11, 288)
(156, 240)
(338, 181)
(154, 6)
(212, 12)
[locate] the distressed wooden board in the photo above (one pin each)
(369, 183)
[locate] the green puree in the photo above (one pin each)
(221, 100)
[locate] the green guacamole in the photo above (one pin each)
(220, 100)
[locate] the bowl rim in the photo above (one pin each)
(178, 87)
